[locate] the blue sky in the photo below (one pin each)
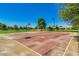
(25, 13)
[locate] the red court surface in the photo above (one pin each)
(44, 43)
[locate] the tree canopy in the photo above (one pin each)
(41, 23)
(70, 14)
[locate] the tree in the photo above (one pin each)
(3, 26)
(15, 27)
(70, 14)
(41, 23)
(20, 27)
(36, 27)
(28, 26)
(57, 28)
(10, 27)
(49, 28)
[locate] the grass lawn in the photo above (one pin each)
(34, 30)
(14, 31)
(66, 31)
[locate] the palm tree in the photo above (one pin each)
(41, 24)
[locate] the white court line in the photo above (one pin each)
(23, 45)
(28, 48)
(67, 47)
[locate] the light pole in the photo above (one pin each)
(53, 23)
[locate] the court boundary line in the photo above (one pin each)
(28, 48)
(22, 45)
(67, 46)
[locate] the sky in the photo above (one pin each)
(22, 14)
